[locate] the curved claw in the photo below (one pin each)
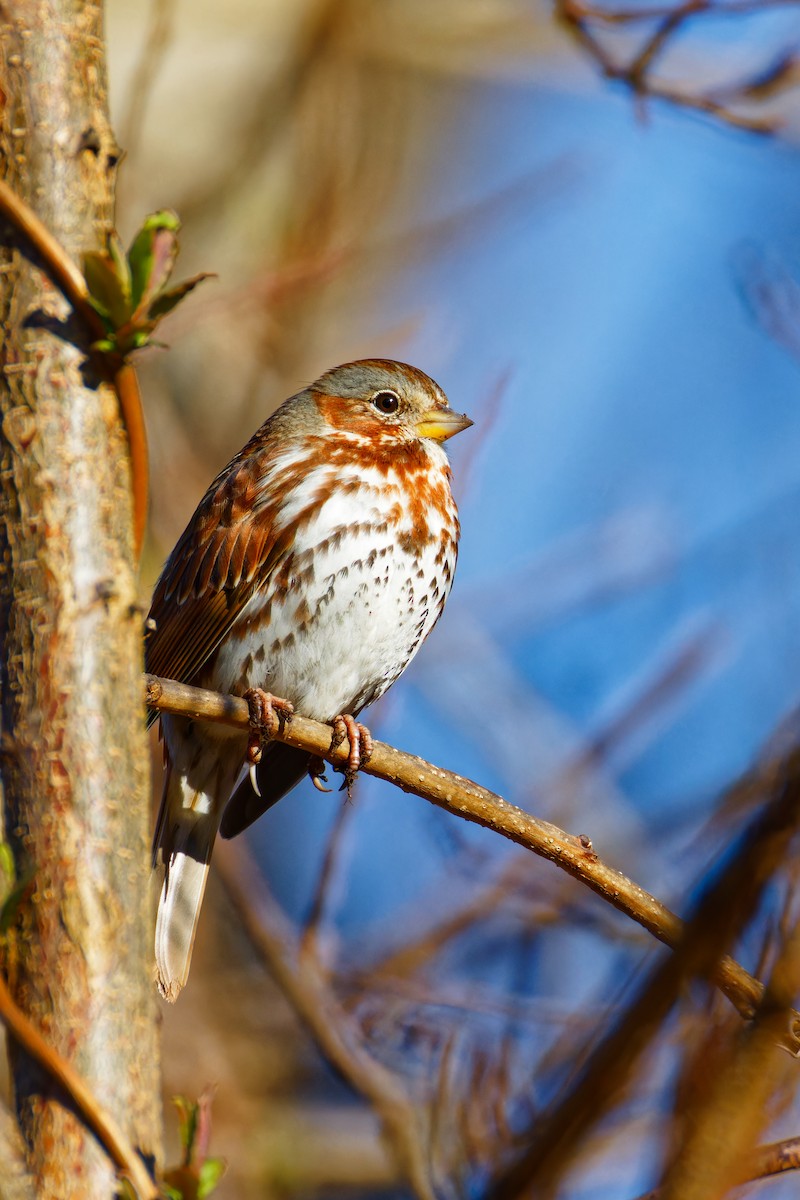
(316, 773)
(360, 739)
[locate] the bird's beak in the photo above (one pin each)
(441, 424)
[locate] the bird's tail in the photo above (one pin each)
(184, 839)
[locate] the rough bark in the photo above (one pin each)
(74, 753)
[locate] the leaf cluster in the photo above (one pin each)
(129, 291)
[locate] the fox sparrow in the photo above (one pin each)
(315, 566)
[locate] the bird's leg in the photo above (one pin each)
(360, 739)
(268, 715)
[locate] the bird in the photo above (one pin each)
(308, 577)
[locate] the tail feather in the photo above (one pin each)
(185, 835)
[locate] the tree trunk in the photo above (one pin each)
(74, 755)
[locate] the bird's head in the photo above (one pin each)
(387, 402)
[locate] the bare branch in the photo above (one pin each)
(305, 984)
(719, 1136)
(724, 909)
(593, 25)
(468, 800)
(160, 32)
(772, 1159)
(311, 942)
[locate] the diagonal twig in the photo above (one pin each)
(310, 942)
(303, 980)
(727, 904)
(468, 800)
(636, 72)
(101, 1123)
(160, 34)
(766, 1161)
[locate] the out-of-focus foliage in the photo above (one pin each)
(456, 184)
(198, 1173)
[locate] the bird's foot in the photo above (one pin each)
(316, 773)
(268, 715)
(360, 739)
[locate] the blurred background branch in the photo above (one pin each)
(608, 286)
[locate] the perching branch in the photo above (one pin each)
(468, 800)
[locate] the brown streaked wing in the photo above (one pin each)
(222, 560)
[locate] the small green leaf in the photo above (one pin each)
(165, 218)
(187, 1123)
(133, 337)
(152, 255)
(140, 259)
(107, 291)
(130, 292)
(12, 902)
(167, 300)
(119, 258)
(211, 1172)
(7, 864)
(170, 1192)
(165, 251)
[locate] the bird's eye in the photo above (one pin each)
(386, 402)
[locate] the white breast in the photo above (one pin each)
(361, 596)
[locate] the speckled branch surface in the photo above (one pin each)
(468, 800)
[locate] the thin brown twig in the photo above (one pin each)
(320, 905)
(307, 987)
(412, 955)
(632, 15)
(101, 1123)
(769, 1160)
(468, 800)
(720, 1135)
(722, 912)
(777, 1157)
(65, 274)
(160, 31)
(653, 46)
(636, 72)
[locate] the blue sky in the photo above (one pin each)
(635, 498)
(639, 387)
